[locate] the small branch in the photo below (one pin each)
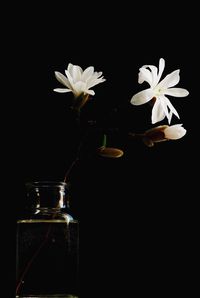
(136, 135)
(104, 142)
(70, 168)
(74, 162)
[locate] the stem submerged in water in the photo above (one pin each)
(21, 280)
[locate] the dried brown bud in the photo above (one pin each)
(156, 134)
(110, 152)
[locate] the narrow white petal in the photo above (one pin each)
(154, 72)
(164, 106)
(70, 68)
(174, 132)
(91, 83)
(81, 70)
(88, 72)
(144, 75)
(170, 80)
(157, 112)
(62, 79)
(97, 74)
(177, 92)
(142, 97)
(171, 107)
(94, 77)
(161, 68)
(62, 90)
(76, 73)
(70, 78)
(170, 117)
(91, 92)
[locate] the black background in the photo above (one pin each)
(137, 213)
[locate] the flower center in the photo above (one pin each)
(158, 91)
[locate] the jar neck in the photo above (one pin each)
(47, 196)
(45, 210)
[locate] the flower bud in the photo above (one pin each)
(174, 132)
(110, 152)
(163, 133)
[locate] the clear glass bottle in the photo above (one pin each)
(47, 248)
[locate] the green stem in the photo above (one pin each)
(104, 142)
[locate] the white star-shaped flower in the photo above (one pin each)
(158, 89)
(78, 81)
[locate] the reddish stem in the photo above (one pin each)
(32, 259)
(70, 168)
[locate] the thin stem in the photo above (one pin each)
(32, 260)
(70, 168)
(136, 135)
(104, 143)
(74, 162)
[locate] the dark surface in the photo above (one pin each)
(137, 213)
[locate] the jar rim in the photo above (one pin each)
(46, 183)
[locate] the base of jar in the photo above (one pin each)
(48, 296)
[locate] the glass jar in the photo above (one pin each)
(47, 246)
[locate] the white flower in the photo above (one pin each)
(162, 107)
(78, 81)
(174, 132)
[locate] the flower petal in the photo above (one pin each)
(154, 73)
(91, 83)
(62, 79)
(144, 75)
(142, 97)
(62, 90)
(70, 68)
(88, 72)
(157, 112)
(70, 78)
(174, 132)
(177, 92)
(170, 117)
(165, 108)
(171, 107)
(76, 73)
(170, 80)
(94, 76)
(69, 71)
(91, 92)
(161, 68)
(97, 74)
